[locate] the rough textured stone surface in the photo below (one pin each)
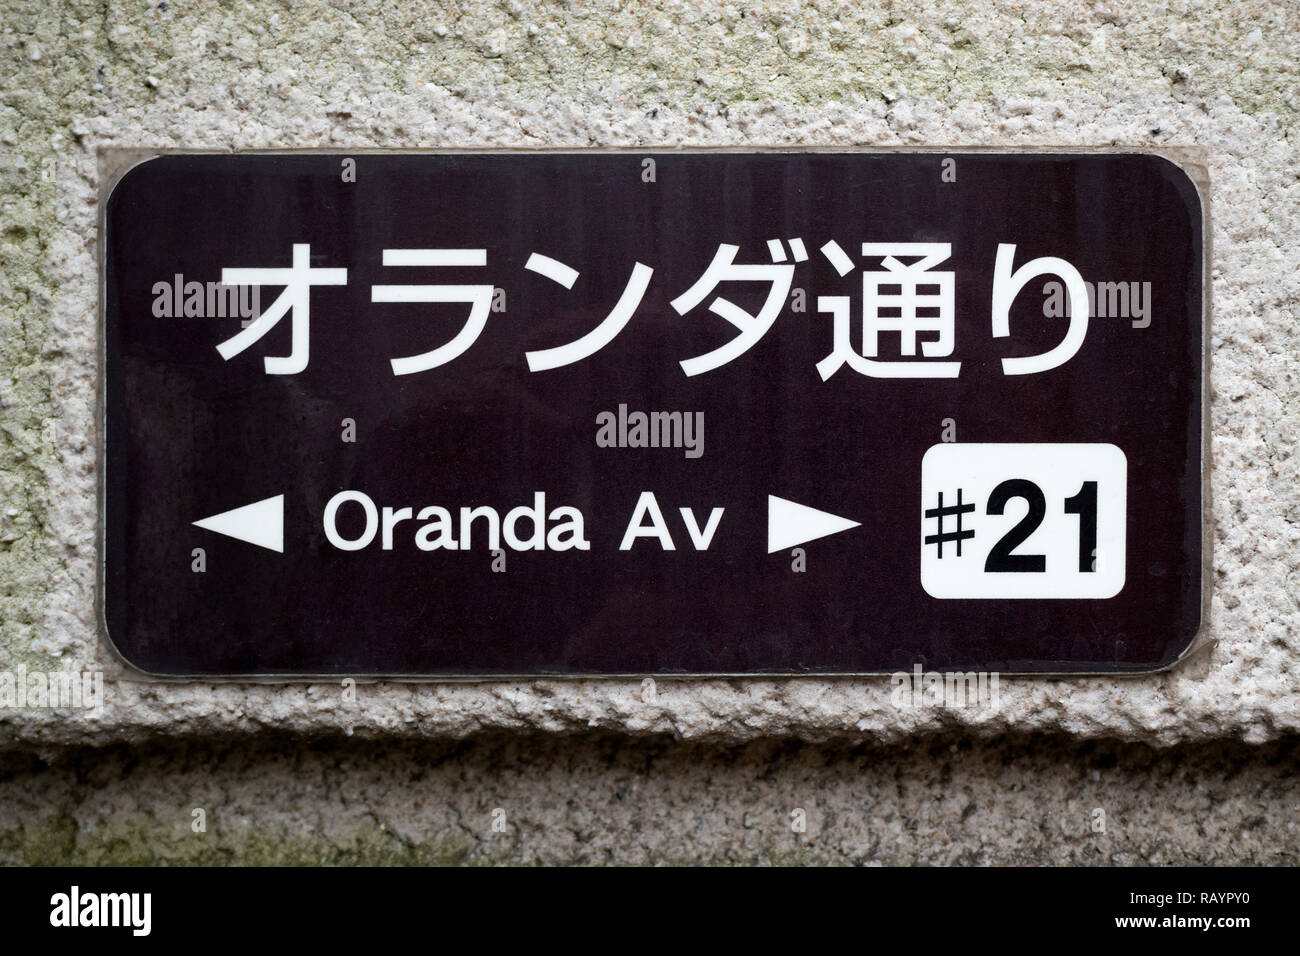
(78, 77)
(595, 800)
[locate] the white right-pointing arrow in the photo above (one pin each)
(790, 523)
(261, 523)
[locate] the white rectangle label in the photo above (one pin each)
(1023, 520)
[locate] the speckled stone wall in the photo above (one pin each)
(80, 77)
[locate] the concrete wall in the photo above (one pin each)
(80, 77)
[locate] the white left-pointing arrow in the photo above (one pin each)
(261, 523)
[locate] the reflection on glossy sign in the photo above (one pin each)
(612, 413)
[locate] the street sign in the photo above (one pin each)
(584, 413)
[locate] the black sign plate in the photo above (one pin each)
(637, 413)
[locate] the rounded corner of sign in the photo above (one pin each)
(1117, 455)
(1168, 665)
(934, 589)
(1178, 161)
(115, 650)
(1198, 640)
(128, 170)
(1189, 171)
(936, 449)
(1117, 587)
